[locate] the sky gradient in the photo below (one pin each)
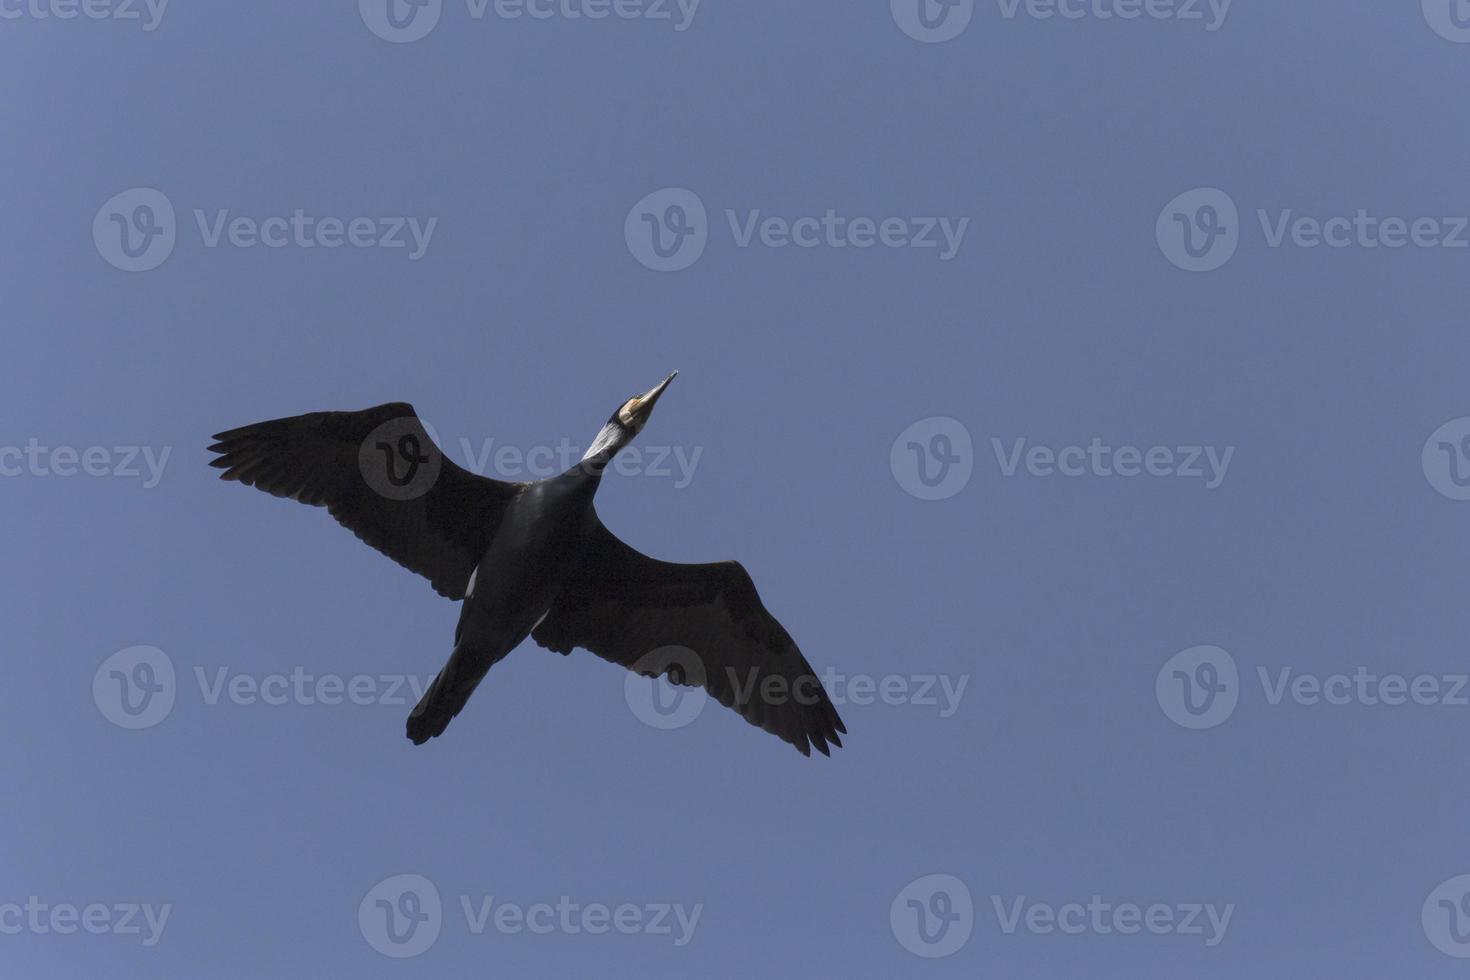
(1085, 392)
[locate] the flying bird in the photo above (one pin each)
(533, 559)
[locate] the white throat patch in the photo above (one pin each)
(607, 439)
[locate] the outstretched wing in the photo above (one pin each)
(701, 625)
(382, 477)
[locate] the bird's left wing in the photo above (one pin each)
(701, 625)
(380, 474)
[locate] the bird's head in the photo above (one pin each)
(626, 422)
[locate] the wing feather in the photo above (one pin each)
(650, 615)
(380, 475)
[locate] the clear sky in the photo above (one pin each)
(1008, 367)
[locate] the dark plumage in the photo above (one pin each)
(533, 559)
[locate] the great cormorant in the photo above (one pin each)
(533, 559)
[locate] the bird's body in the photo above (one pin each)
(534, 560)
(511, 589)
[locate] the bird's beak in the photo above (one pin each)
(643, 405)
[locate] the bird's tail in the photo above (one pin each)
(432, 714)
(446, 697)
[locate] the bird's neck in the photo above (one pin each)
(608, 443)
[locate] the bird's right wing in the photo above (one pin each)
(700, 625)
(380, 474)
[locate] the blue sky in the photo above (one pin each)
(1082, 384)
